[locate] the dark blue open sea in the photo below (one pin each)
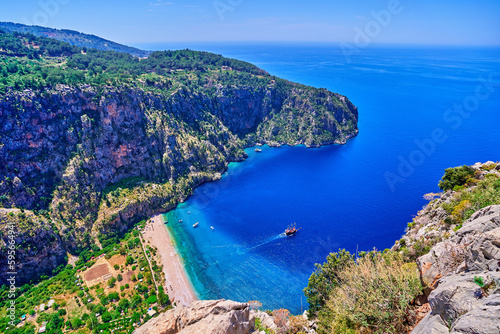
(421, 110)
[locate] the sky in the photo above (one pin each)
(139, 22)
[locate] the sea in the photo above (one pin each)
(421, 109)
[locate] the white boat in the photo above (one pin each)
(258, 150)
(196, 225)
(212, 228)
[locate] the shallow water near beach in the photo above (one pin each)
(339, 195)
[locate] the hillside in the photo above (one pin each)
(92, 141)
(73, 38)
(442, 276)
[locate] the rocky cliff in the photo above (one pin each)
(459, 261)
(95, 159)
(222, 317)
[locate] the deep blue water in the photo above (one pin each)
(339, 195)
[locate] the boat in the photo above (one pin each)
(258, 150)
(196, 225)
(180, 220)
(212, 228)
(291, 230)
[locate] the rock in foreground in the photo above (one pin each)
(203, 316)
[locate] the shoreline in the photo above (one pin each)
(178, 285)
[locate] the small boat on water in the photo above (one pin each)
(212, 228)
(180, 220)
(258, 150)
(291, 230)
(196, 225)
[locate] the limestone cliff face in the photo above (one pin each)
(207, 316)
(35, 246)
(461, 266)
(98, 159)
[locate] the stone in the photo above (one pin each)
(431, 324)
(265, 319)
(474, 247)
(484, 252)
(203, 316)
(484, 319)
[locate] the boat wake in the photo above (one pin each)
(268, 240)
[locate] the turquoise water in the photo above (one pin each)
(421, 110)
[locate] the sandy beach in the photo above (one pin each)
(177, 285)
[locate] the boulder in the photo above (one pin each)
(455, 296)
(265, 319)
(431, 324)
(474, 247)
(484, 319)
(484, 252)
(203, 316)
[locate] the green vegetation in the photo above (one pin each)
(79, 308)
(479, 281)
(466, 201)
(456, 177)
(324, 279)
(354, 287)
(73, 37)
(27, 61)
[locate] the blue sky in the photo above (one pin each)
(456, 22)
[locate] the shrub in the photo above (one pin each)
(479, 281)
(152, 299)
(106, 317)
(456, 176)
(296, 324)
(374, 293)
(111, 282)
(281, 317)
(460, 209)
(324, 279)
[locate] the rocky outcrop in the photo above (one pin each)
(463, 273)
(474, 247)
(29, 246)
(207, 317)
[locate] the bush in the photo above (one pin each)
(106, 317)
(374, 293)
(456, 176)
(324, 279)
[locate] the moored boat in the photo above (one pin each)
(258, 150)
(196, 225)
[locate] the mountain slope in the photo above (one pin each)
(74, 38)
(91, 141)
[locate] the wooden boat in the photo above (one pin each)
(196, 225)
(291, 230)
